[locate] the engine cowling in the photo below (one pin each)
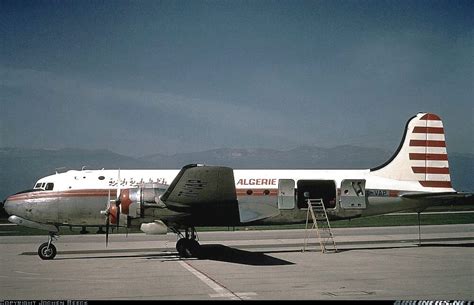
(134, 201)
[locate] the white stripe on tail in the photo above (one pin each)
(421, 156)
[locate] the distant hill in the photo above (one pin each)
(300, 157)
(20, 168)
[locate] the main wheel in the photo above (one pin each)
(47, 251)
(194, 248)
(188, 248)
(183, 247)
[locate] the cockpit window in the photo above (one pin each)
(44, 186)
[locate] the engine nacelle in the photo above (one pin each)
(133, 201)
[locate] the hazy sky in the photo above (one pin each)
(145, 77)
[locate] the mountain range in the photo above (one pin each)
(21, 167)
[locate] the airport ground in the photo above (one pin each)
(371, 263)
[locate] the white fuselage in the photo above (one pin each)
(77, 197)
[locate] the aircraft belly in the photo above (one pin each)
(384, 205)
(253, 208)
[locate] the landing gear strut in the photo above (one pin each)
(47, 250)
(187, 245)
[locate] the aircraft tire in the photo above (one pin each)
(183, 247)
(188, 248)
(46, 252)
(195, 248)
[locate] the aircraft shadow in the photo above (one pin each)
(231, 255)
(465, 245)
(208, 252)
(434, 245)
(168, 255)
(346, 249)
(237, 256)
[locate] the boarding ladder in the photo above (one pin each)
(321, 224)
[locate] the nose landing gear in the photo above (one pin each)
(47, 250)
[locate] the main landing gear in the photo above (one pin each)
(47, 250)
(187, 245)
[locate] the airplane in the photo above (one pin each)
(157, 201)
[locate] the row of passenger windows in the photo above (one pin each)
(44, 186)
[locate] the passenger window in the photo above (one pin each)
(49, 186)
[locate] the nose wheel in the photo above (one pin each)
(47, 250)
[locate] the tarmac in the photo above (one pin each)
(382, 263)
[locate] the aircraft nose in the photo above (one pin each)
(7, 207)
(11, 207)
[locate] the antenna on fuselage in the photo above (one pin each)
(57, 169)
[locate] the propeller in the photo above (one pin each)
(112, 211)
(117, 200)
(106, 212)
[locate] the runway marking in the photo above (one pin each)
(221, 291)
(27, 273)
(241, 295)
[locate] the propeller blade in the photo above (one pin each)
(118, 216)
(118, 187)
(117, 200)
(107, 231)
(107, 221)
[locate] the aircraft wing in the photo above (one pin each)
(199, 187)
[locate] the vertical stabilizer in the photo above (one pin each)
(421, 156)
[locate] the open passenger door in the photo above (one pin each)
(353, 194)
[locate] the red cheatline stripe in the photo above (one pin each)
(393, 193)
(257, 192)
(70, 193)
(436, 183)
(437, 157)
(430, 170)
(427, 143)
(436, 130)
(431, 117)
